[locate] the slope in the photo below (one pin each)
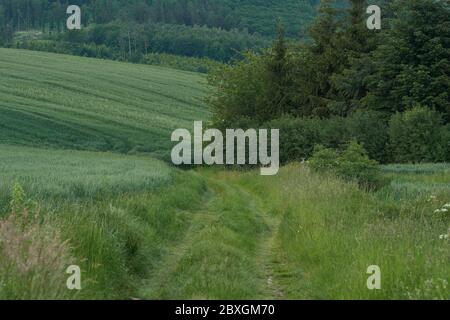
(79, 103)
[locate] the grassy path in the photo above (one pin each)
(267, 256)
(226, 253)
(303, 236)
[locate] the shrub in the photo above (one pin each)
(370, 129)
(324, 159)
(417, 135)
(33, 255)
(297, 137)
(202, 65)
(445, 136)
(352, 164)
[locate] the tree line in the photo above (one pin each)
(389, 89)
(255, 16)
(133, 42)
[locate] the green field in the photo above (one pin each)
(77, 103)
(142, 229)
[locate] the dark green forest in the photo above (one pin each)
(387, 89)
(128, 30)
(256, 16)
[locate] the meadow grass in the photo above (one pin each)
(215, 234)
(64, 175)
(113, 215)
(139, 228)
(219, 256)
(81, 103)
(412, 181)
(330, 232)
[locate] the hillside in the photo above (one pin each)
(132, 31)
(139, 229)
(256, 15)
(79, 103)
(261, 15)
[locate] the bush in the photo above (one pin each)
(418, 135)
(202, 65)
(352, 164)
(298, 136)
(445, 136)
(370, 129)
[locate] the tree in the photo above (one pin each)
(412, 64)
(279, 81)
(317, 62)
(357, 41)
(418, 135)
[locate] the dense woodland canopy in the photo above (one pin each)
(127, 30)
(388, 89)
(255, 15)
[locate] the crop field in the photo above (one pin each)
(65, 174)
(139, 228)
(78, 103)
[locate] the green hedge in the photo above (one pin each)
(419, 135)
(298, 136)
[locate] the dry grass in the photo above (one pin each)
(33, 257)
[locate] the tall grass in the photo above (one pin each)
(219, 257)
(57, 176)
(330, 232)
(139, 229)
(112, 215)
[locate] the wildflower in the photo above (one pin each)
(447, 205)
(443, 236)
(437, 211)
(444, 210)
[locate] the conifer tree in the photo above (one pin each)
(356, 42)
(412, 66)
(320, 61)
(278, 77)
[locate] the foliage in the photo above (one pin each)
(412, 65)
(131, 42)
(370, 128)
(257, 16)
(330, 232)
(418, 135)
(298, 136)
(238, 95)
(201, 65)
(347, 71)
(352, 164)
